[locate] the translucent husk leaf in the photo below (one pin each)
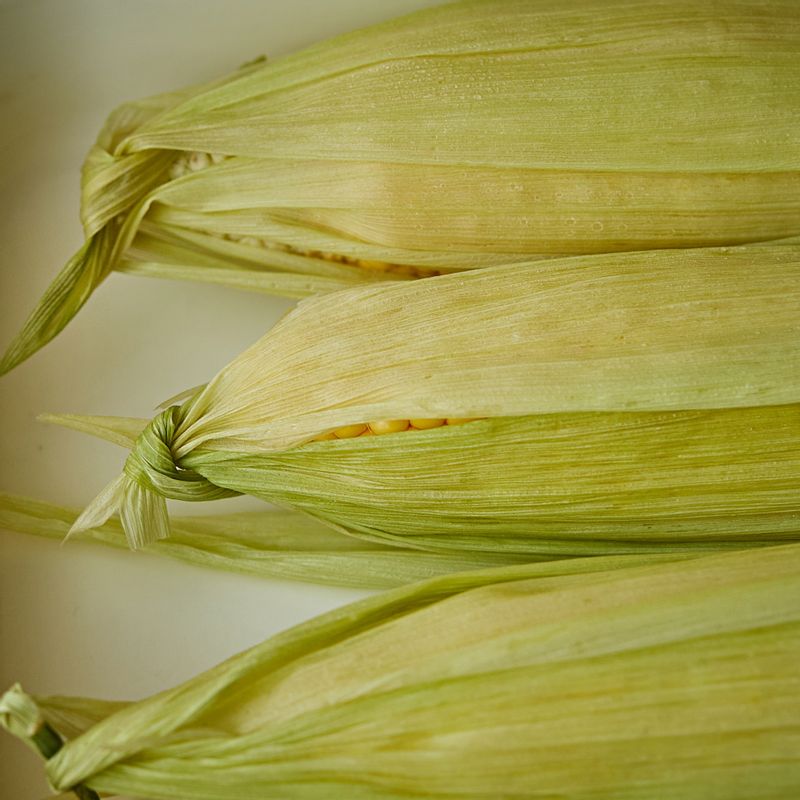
(451, 139)
(625, 401)
(122, 431)
(565, 679)
(270, 544)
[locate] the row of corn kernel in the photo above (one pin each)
(390, 426)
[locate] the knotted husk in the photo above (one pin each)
(581, 679)
(461, 136)
(626, 403)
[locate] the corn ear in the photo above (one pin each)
(676, 680)
(647, 399)
(462, 136)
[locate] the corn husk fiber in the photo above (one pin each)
(677, 680)
(462, 136)
(629, 401)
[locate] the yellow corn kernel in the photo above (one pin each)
(426, 424)
(389, 426)
(384, 426)
(198, 161)
(349, 431)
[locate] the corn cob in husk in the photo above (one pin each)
(618, 403)
(462, 136)
(554, 680)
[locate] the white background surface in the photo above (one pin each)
(80, 619)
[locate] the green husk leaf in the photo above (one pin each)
(123, 431)
(269, 544)
(565, 679)
(500, 45)
(546, 485)
(325, 162)
(72, 716)
(63, 299)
